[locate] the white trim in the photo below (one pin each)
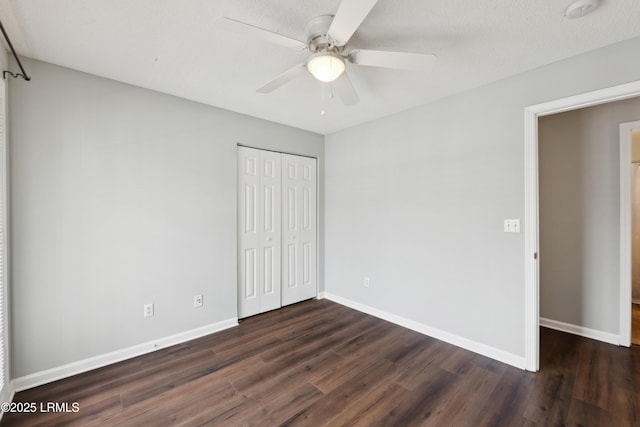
(531, 237)
(7, 392)
(467, 344)
(531, 282)
(64, 371)
(594, 334)
(9, 400)
(625, 231)
(589, 99)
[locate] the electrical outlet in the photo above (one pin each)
(197, 301)
(148, 310)
(366, 282)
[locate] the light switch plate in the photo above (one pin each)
(511, 225)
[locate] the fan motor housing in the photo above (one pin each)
(317, 37)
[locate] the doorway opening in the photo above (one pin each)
(531, 217)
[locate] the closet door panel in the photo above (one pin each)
(270, 227)
(308, 231)
(248, 231)
(299, 228)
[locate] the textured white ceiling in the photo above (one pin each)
(175, 47)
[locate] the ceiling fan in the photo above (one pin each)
(327, 39)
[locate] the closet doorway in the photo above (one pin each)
(277, 230)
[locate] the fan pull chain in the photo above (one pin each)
(331, 82)
(323, 112)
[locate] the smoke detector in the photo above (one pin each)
(580, 8)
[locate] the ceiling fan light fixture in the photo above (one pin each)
(326, 66)
(580, 8)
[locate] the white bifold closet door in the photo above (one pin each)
(276, 230)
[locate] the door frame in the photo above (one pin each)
(626, 289)
(531, 211)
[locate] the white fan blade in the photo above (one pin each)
(348, 18)
(283, 78)
(401, 60)
(260, 33)
(342, 85)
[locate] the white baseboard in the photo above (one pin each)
(11, 393)
(74, 368)
(580, 330)
(467, 344)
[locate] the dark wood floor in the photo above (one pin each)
(635, 324)
(318, 363)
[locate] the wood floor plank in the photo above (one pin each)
(90, 414)
(283, 407)
(105, 385)
(265, 385)
(458, 362)
(404, 352)
(207, 411)
(170, 401)
(593, 383)
(509, 399)
(330, 333)
(635, 324)
(561, 351)
(625, 369)
(424, 364)
(423, 402)
(306, 348)
(319, 363)
(378, 336)
(585, 414)
(355, 388)
(625, 408)
(372, 407)
(550, 403)
(340, 372)
(150, 387)
(470, 398)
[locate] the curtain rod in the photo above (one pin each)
(15, 55)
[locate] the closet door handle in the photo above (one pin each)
(268, 239)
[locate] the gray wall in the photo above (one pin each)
(121, 197)
(416, 201)
(579, 193)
